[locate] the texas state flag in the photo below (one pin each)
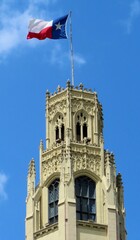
(40, 29)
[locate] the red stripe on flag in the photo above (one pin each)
(44, 33)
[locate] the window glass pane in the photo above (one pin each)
(84, 188)
(84, 217)
(78, 131)
(91, 189)
(94, 196)
(56, 208)
(84, 205)
(57, 133)
(51, 195)
(51, 210)
(62, 132)
(77, 188)
(78, 204)
(92, 217)
(84, 130)
(51, 220)
(92, 206)
(56, 192)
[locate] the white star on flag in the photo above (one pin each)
(58, 26)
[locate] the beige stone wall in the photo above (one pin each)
(91, 233)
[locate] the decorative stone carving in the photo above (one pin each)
(82, 104)
(82, 148)
(57, 107)
(91, 163)
(51, 166)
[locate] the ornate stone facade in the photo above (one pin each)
(74, 151)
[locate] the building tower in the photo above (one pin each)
(79, 195)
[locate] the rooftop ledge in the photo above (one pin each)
(54, 227)
(70, 87)
(91, 224)
(46, 230)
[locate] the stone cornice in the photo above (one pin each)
(91, 224)
(75, 147)
(84, 148)
(46, 230)
(84, 93)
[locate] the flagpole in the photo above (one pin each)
(71, 51)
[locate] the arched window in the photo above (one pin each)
(53, 192)
(59, 129)
(81, 127)
(85, 191)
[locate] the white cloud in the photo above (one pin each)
(14, 23)
(3, 181)
(133, 14)
(13, 31)
(78, 59)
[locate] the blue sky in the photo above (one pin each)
(107, 59)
